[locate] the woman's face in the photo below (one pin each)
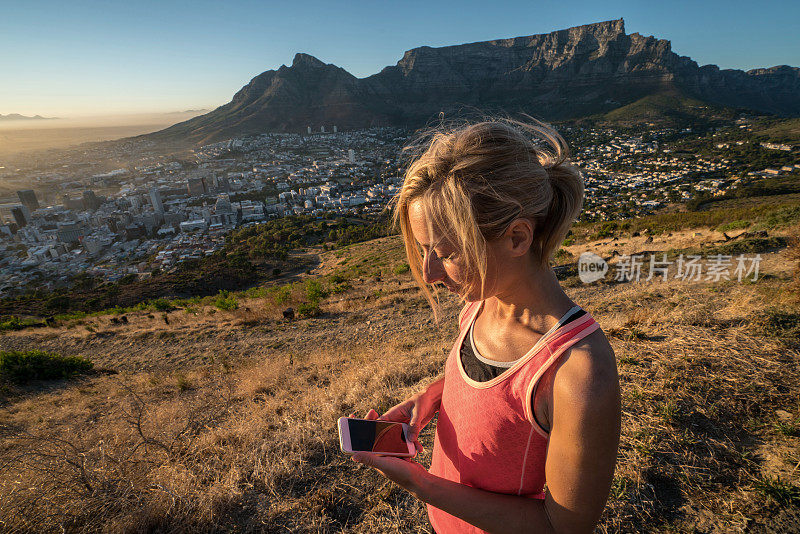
(441, 259)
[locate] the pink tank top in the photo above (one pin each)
(486, 435)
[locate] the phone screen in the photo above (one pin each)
(377, 436)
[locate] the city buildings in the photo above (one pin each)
(28, 199)
(158, 212)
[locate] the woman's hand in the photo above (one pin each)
(402, 471)
(417, 411)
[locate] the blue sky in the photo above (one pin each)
(108, 57)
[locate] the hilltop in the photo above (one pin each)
(589, 70)
(220, 414)
(18, 117)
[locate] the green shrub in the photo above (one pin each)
(402, 268)
(161, 305)
(733, 225)
(12, 322)
(315, 291)
(309, 309)
(340, 288)
(784, 216)
(24, 366)
(226, 301)
(607, 229)
(282, 294)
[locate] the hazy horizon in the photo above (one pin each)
(115, 59)
(98, 120)
(21, 136)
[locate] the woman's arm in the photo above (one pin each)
(580, 459)
(418, 410)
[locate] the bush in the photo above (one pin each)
(340, 288)
(226, 301)
(24, 366)
(608, 229)
(402, 268)
(12, 322)
(785, 216)
(282, 294)
(733, 225)
(309, 309)
(315, 291)
(161, 305)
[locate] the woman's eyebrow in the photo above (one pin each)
(427, 245)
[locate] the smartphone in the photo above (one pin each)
(386, 438)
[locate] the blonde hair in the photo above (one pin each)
(474, 180)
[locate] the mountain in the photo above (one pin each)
(570, 73)
(18, 117)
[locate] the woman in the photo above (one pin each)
(530, 392)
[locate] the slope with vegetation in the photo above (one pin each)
(222, 413)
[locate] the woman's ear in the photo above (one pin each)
(519, 237)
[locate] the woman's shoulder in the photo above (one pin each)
(588, 370)
(463, 315)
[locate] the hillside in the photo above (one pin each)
(566, 74)
(669, 108)
(221, 415)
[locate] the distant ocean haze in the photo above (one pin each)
(28, 134)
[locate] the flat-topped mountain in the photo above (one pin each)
(18, 117)
(565, 74)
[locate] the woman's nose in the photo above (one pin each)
(432, 269)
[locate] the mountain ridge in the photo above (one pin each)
(569, 73)
(18, 117)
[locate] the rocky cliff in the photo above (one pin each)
(564, 74)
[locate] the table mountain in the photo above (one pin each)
(569, 73)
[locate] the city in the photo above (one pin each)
(159, 211)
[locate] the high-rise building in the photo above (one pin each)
(335, 128)
(19, 216)
(309, 129)
(28, 199)
(155, 200)
(223, 204)
(223, 185)
(70, 232)
(197, 187)
(322, 129)
(351, 155)
(90, 200)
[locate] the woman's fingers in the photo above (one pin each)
(398, 413)
(414, 423)
(372, 414)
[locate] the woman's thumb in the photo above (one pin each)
(413, 424)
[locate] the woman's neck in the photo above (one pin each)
(533, 299)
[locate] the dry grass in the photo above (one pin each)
(226, 421)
